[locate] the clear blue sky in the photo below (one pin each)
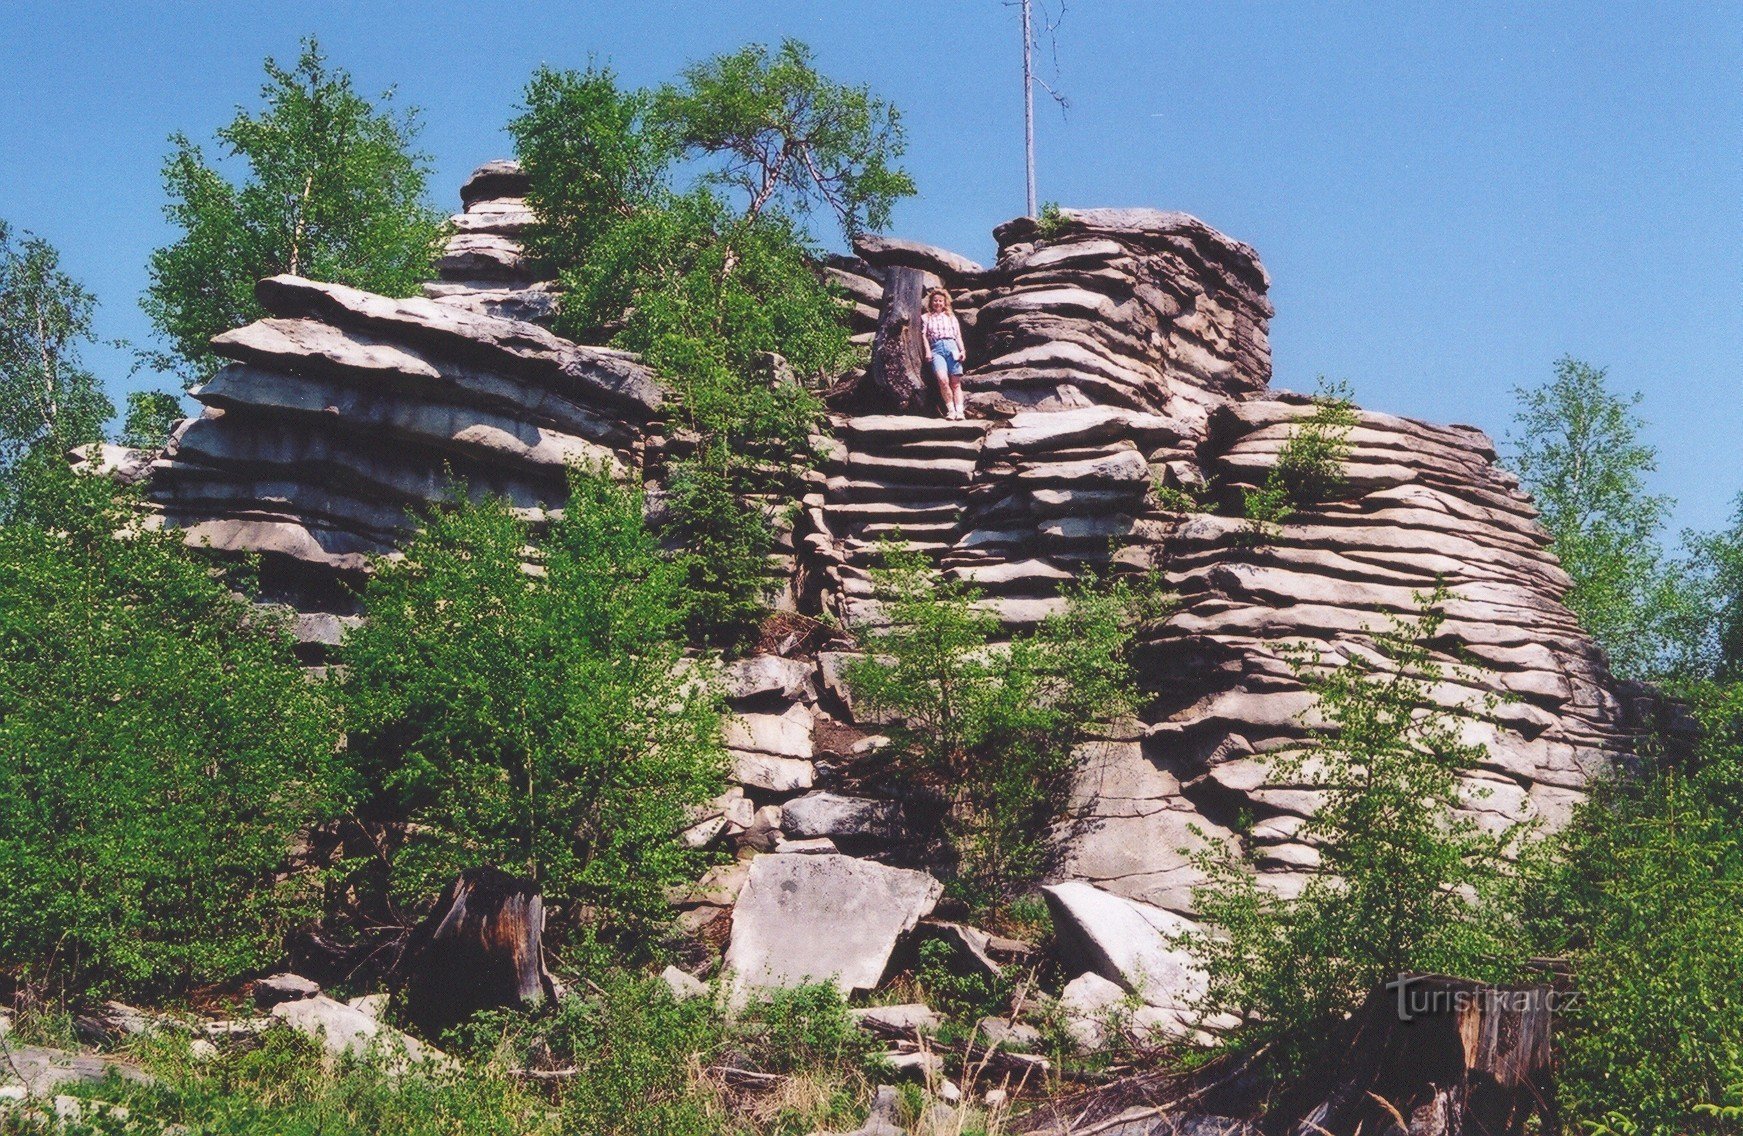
(1448, 196)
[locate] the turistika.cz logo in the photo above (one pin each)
(1418, 997)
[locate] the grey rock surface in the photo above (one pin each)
(822, 919)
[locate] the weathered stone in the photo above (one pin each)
(784, 735)
(287, 987)
(766, 674)
(771, 773)
(832, 815)
(954, 268)
(345, 1031)
(822, 919)
(1125, 942)
(909, 1017)
(682, 985)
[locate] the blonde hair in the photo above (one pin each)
(948, 306)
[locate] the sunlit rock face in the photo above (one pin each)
(1124, 350)
(1112, 354)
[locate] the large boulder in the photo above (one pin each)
(822, 918)
(348, 1031)
(1128, 943)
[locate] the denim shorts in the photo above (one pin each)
(945, 352)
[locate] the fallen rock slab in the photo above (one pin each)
(822, 918)
(1126, 942)
(279, 988)
(346, 1031)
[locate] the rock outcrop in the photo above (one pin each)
(1114, 353)
(344, 411)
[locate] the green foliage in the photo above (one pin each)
(286, 1087)
(636, 1050)
(729, 544)
(47, 397)
(1576, 446)
(160, 750)
(1309, 467)
(546, 722)
(1644, 899)
(1195, 499)
(788, 138)
(591, 157)
(724, 302)
(991, 728)
(150, 415)
(334, 192)
(1052, 223)
(1710, 644)
(960, 992)
(1408, 883)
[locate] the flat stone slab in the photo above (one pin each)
(822, 918)
(345, 1030)
(1125, 942)
(830, 814)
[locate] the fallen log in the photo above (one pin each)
(482, 947)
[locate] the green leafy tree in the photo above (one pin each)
(160, 751)
(1576, 445)
(1644, 902)
(992, 729)
(1407, 881)
(334, 191)
(47, 397)
(545, 721)
(1711, 642)
(722, 299)
(150, 415)
(788, 137)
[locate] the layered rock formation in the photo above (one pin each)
(1124, 351)
(1114, 354)
(344, 411)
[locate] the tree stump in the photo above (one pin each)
(898, 356)
(1437, 1056)
(482, 947)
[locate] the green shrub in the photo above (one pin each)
(991, 728)
(150, 415)
(1408, 884)
(1309, 467)
(1645, 903)
(543, 722)
(962, 993)
(287, 1087)
(160, 751)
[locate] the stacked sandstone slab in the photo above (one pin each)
(344, 412)
(1126, 350)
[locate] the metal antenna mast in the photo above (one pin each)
(1028, 108)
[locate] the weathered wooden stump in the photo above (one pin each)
(482, 947)
(1437, 1056)
(898, 357)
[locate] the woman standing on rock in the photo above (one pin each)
(944, 344)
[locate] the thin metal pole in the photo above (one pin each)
(1028, 110)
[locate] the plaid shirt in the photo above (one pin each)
(941, 325)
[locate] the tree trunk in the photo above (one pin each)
(1439, 1056)
(898, 357)
(482, 947)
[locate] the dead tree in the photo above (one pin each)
(898, 357)
(1436, 1056)
(482, 947)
